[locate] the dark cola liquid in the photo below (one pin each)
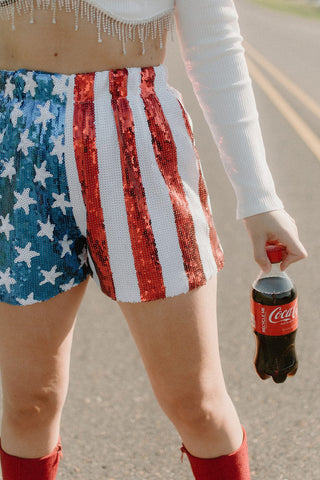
(275, 355)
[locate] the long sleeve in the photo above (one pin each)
(211, 45)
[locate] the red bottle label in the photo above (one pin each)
(274, 319)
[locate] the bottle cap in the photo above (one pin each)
(274, 253)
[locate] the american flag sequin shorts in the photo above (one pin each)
(99, 176)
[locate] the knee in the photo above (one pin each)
(198, 409)
(28, 408)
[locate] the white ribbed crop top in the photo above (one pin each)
(211, 47)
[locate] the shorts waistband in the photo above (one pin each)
(24, 83)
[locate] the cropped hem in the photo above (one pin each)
(177, 293)
(19, 302)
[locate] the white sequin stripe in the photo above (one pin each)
(188, 169)
(112, 195)
(157, 196)
(75, 193)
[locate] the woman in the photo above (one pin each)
(99, 176)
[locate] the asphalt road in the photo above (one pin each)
(112, 428)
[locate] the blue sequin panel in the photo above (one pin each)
(42, 252)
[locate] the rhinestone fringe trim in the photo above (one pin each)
(106, 22)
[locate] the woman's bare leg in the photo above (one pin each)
(178, 342)
(35, 345)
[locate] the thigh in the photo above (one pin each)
(35, 343)
(178, 341)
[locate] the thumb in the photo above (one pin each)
(260, 255)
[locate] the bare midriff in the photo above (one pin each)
(57, 47)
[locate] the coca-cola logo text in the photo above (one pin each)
(283, 315)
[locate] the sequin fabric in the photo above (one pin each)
(99, 175)
(140, 228)
(42, 252)
(166, 155)
(204, 198)
(87, 164)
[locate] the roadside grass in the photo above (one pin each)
(294, 7)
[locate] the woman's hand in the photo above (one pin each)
(274, 227)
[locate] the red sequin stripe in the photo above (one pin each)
(84, 140)
(148, 267)
(166, 154)
(204, 199)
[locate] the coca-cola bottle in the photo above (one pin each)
(274, 310)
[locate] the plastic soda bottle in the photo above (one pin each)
(274, 310)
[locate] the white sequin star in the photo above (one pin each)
(60, 202)
(42, 174)
(25, 254)
(67, 286)
(45, 115)
(6, 280)
(83, 257)
(25, 143)
(58, 148)
(9, 89)
(50, 276)
(2, 135)
(65, 244)
(24, 200)
(27, 301)
(9, 169)
(59, 86)
(6, 227)
(30, 84)
(15, 114)
(46, 229)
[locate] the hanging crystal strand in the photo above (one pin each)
(160, 28)
(112, 27)
(117, 29)
(104, 23)
(54, 11)
(171, 26)
(19, 6)
(31, 12)
(153, 30)
(131, 32)
(86, 10)
(82, 9)
(123, 34)
(147, 30)
(13, 27)
(141, 33)
(98, 15)
(76, 13)
(108, 25)
(92, 15)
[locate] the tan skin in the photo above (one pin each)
(177, 337)
(59, 48)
